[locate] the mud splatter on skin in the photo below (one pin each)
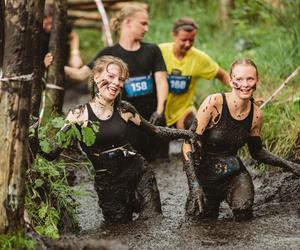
(217, 117)
(238, 87)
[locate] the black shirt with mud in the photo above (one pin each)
(220, 146)
(112, 132)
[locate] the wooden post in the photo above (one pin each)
(55, 90)
(1, 32)
(14, 119)
(37, 28)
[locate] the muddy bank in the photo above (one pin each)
(276, 222)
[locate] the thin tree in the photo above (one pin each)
(1, 32)
(55, 85)
(225, 7)
(14, 118)
(37, 29)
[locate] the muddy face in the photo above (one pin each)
(244, 80)
(109, 82)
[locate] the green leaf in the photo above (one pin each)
(76, 132)
(38, 182)
(58, 122)
(88, 136)
(45, 145)
(95, 126)
(43, 211)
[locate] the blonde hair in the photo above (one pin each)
(126, 11)
(243, 61)
(102, 64)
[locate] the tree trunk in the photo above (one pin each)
(1, 33)
(37, 28)
(57, 45)
(225, 7)
(14, 119)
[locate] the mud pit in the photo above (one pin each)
(276, 223)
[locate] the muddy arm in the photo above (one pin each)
(163, 132)
(196, 197)
(261, 154)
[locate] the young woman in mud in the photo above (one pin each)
(224, 123)
(123, 181)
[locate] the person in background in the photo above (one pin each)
(147, 87)
(73, 58)
(125, 183)
(224, 123)
(185, 65)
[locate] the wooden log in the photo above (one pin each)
(119, 5)
(87, 15)
(109, 5)
(55, 80)
(89, 24)
(14, 119)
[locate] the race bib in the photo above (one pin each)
(178, 84)
(226, 166)
(139, 86)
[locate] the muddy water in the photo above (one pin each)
(276, 223)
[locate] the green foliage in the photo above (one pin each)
(65, 133)
(15, 242)
(281, 127)
(48, 196)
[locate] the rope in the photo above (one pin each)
(24, 78)
(53, 86)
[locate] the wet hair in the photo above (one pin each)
(243, 61)
(126, 11)
(102, 64)
(184, 23)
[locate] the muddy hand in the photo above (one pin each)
(157, 119)
(195, 203)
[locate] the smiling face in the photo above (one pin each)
(109, 82)
(244, 80)
(183, 41)
(138, 24)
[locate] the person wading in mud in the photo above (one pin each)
(224, 123)
(123, 180)
(147, 87)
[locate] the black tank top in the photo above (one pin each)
(112, 132)
(229, 134)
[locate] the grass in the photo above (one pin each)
(16, 241)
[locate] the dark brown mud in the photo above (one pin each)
(276, 222)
